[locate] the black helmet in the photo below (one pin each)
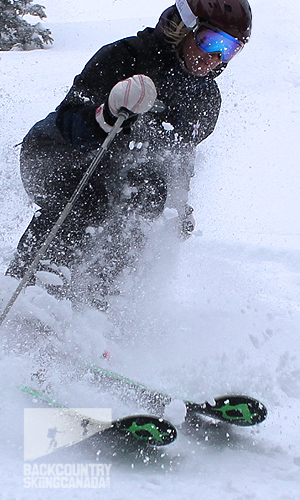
(232, 16)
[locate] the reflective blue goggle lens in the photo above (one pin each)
(210, 40)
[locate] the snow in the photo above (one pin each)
(217, 314)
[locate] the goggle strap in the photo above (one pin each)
(186, 14)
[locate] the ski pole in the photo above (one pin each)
(123, 115)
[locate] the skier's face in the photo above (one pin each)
(198, 62)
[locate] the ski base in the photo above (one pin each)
(238, 410)
(146, 430)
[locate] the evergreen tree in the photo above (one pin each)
(16, 32)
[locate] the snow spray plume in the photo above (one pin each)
(123, 115)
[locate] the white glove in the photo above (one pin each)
(137, 94)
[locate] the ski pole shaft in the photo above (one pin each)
(123, 115)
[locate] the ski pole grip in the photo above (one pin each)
(125, 113)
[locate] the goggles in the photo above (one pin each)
(211, 40)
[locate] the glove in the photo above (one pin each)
(187, 223)
(184, 223)
(137, 94)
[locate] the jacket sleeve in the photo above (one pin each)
(194, 115)
(76, 114)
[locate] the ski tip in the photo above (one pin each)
(238, 409)
(146, 429)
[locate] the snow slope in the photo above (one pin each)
(217, 314)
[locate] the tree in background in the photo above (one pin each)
(16, 32)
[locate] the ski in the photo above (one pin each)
(239, 410)
(143, 429)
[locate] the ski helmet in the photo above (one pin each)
(232, 16)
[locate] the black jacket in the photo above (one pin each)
(56, 151)
(192, 103)
(192, 106)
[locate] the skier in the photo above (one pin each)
(150, 164)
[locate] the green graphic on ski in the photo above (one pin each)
(146, 429)
(238, 410)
